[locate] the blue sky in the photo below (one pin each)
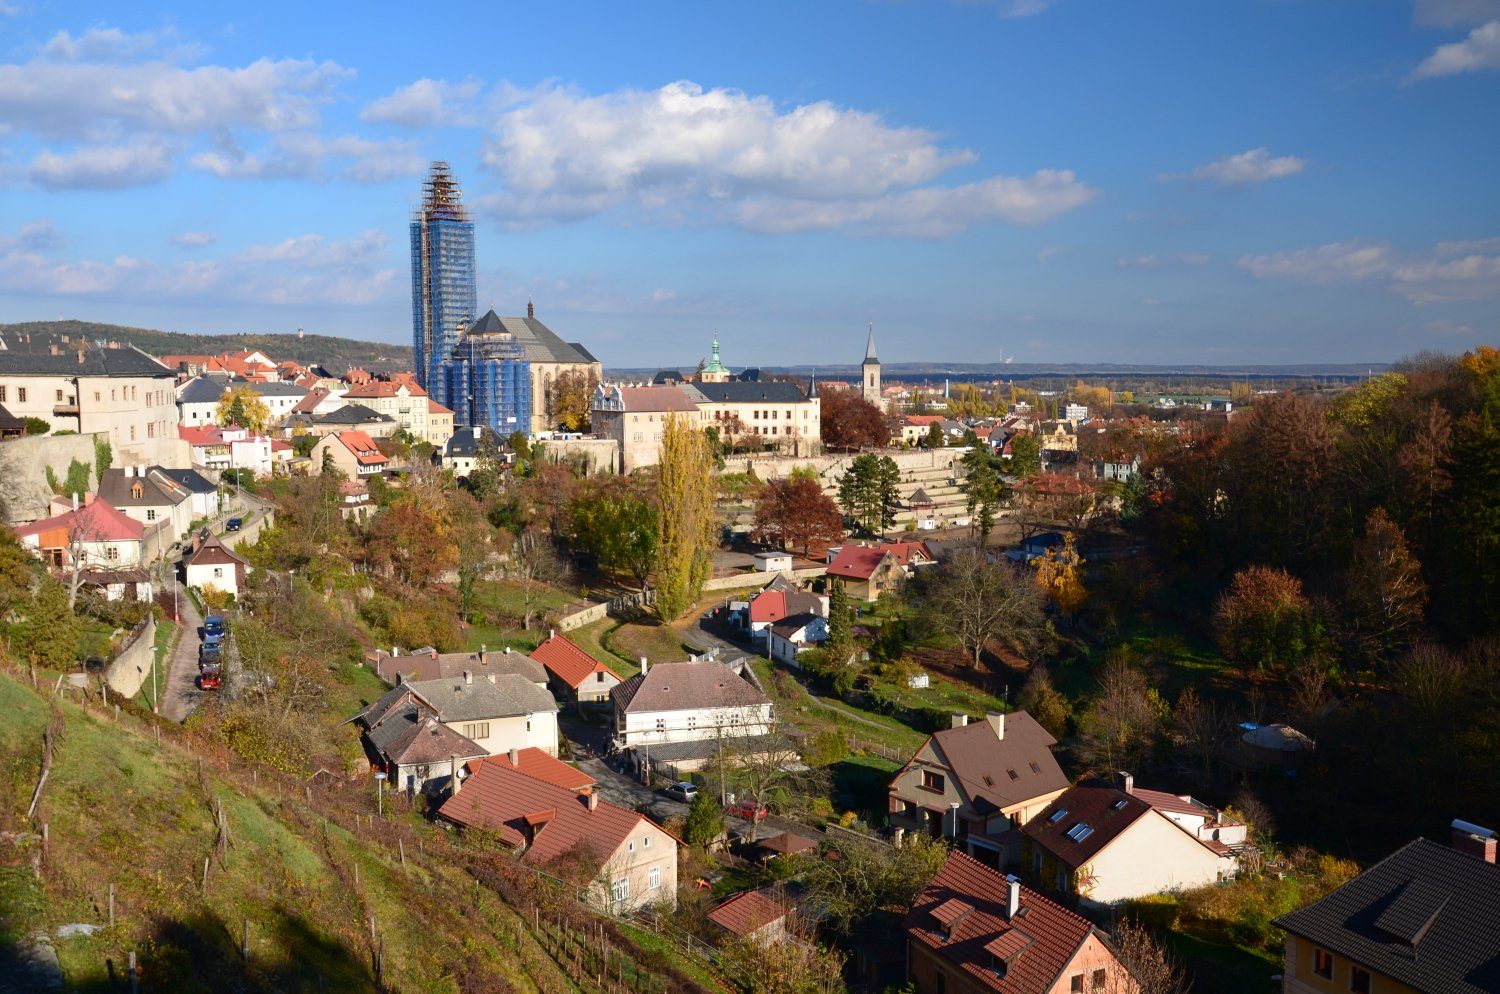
(1073, 180)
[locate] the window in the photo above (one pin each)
(1119, 804)
(630, 846)
(20, 395)
(620, 889)
(655, 877)
(150, 514)
(1098, 979)
(2, 395)
(1013, 774)
(1323, 963)
(932, 781)
(1075, 983)
(599, 677)
(151, 430)
(477, 730)
(661, 724)
(1080, 831)
(59, 396)
(1359, 980)
(646, 842)
(1057, 816)
(132, 433)
(218, 572)
(1035, 768)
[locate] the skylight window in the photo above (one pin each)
(1035, 768)
(1080, 831)
(1013, 774)
(1058, 816)
(1118, 804)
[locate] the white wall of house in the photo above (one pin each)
(642, 872)
(137, 413)
(693, 725)
(785, 649)
(1151, 857)
(220, 576)
(538, 730)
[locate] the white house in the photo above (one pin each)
(496, 715)
(203, 495)
(99, 536)
(677, 712)
(213, 564)
(796, 634)
(216, 449)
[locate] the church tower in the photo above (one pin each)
(870, 389)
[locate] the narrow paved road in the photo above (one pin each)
(181, 694)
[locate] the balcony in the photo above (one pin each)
(62, 409)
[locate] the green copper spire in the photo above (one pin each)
(714, 365)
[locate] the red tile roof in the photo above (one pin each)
(566, 661)
(745, 913)
(1040, 941)
(201, 434)
(656, 399)
(363, 448)
(499, 799)
(433, 407)
(96, 521)
(858, 562)
(384, 388)
(536, 764)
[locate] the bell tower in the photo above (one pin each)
(870, 368)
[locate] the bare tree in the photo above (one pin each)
(756, 762)
(535, 565)
(1201, 727)
(1126, 716)
(975, 598)
(1147, 968)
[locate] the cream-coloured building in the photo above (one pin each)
(1106, 844)
(779, 416)
(636, 417)
(544, 822)
(405, 403)
(679, 712)
(439, 423)
(121, 393)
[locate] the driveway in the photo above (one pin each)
(181, 694)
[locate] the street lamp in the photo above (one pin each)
(380, 778)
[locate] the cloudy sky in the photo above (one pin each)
(1055, 180)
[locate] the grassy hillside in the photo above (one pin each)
(304, 863)
(337, 354)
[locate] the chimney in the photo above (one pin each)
(75, 500)
(959, 720)
(997, 722)
(552, 633)
(482, 650)
(454, 778)
(643, 665)
(592, 800)
(1476, 840)
(468, 678)
(1012, 896)
(1125, 781)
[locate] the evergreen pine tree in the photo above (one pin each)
(840, 644)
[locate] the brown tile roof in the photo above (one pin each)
(982, 763)
(555, 819)
(858, 562)
(1084, 819)
(1040, 941)
(746, 912)
(433, 665)
(656, 399)
(425, 740)
(384, 388)
(536, 764)
(566, 661)
(214, 553)
(787, 844)
(682, 686)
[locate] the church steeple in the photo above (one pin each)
(870, 371)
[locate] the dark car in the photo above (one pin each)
(213, 628)
(233, 524)
(210, 652)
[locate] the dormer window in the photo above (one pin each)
(137, 491)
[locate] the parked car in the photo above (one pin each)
(234, 524)
(213, 628)
(747, 810)
(682, 791)
(210, 677)
(210, 652)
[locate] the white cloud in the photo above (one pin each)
(40, 235)
(426, 103)
(107, 44)
(1448, 13)
(194, 239)
(1155, 260)
(300, 271)
(1243, 169)
(1449, 328)
(1468, 247)
(102, 167)
(1138, 262)
(683, 153)
(1479, 51)
(103, 101)
(1026, 8)
(1420, 278)
(1047, 252)
(303, 155)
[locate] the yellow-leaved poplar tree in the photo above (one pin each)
(1060, 575)
(686, 518)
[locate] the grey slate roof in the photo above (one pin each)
(583, 351)
(680, 686)
(188, 479)
(352, 415)
(119, 490)
(749, 393)
(507, 696)
(1443, 899)
(541, 344)
(462, 443)
(129, 361)
(208, 389)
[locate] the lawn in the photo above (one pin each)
(861, 784)
(797, 706)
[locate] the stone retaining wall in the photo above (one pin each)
(132, 667)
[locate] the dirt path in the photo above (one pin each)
(181, 694)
